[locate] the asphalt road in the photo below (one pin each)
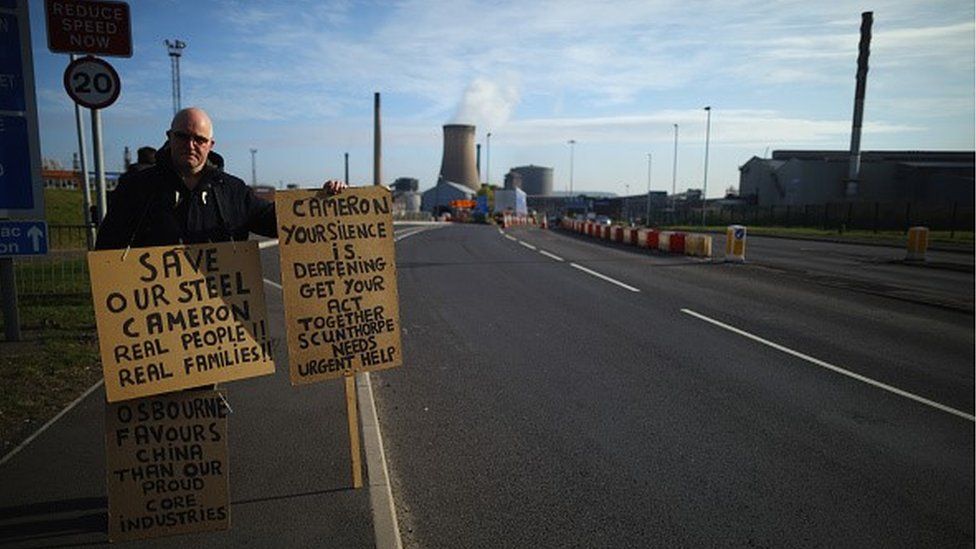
(663, 401)
(945, 278)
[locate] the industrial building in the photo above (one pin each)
(798, 178)
(511, 201)
(534, 180)
(438, 199)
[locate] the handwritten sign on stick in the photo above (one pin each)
(174, 317)
(338, 275)
(167, 467)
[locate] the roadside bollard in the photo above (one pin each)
(918, 243)
(691, 244)
(653, 239)
(664, 241)
(677, 243)
(735, 244)
(706, 246)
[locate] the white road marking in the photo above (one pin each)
(604, 277)
(410, 231)
(527, 245)
(553, 256)
(833, 368)
(512, 238)
(44, 427)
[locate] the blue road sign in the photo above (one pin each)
(16, 184)
(481, 204)
(23, 238)
(739, 233)
(11, 66)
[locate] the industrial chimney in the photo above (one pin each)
(458, 163)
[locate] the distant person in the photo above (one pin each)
(145, 157)
(185, 197)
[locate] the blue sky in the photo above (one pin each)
(295, 80)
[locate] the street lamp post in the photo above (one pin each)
(572, 143)
(674, 171)
(254, 169)
(708, 127)
(647, 217)
(488, 159)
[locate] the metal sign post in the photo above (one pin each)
(91, 82)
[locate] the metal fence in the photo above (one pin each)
(865, 216)
(64, 270)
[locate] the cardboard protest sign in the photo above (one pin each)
(338, 275)
(167, 468)
(174, 317)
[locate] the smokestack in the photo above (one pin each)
(377, 141)
(458, 163)
(864, 51)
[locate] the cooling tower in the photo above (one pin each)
(458, 164)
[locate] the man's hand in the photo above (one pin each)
(334, 187)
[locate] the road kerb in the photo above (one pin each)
(385, 526)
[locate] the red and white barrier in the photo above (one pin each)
(674, 242)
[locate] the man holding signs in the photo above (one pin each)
(184, 309)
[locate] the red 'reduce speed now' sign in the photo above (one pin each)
(94, 27)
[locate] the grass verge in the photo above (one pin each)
(55, 361)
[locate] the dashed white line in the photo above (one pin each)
(527, 245)
(512, 238)
(552, 256)
(831, 367)
(604, 277)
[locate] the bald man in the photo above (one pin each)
(186, 197)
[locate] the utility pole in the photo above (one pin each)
(647, 218)
(346, 180)
(572, 145)
(674, 170)
(175, 49)
(708, 127)
(488, 159)
(254, 168)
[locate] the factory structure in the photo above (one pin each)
(798, 178)
(903, 186)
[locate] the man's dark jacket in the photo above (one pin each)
(153, 207)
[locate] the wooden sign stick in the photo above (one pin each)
(352, 411)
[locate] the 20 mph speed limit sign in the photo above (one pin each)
(91, 82)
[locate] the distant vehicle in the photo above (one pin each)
(602, 220)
